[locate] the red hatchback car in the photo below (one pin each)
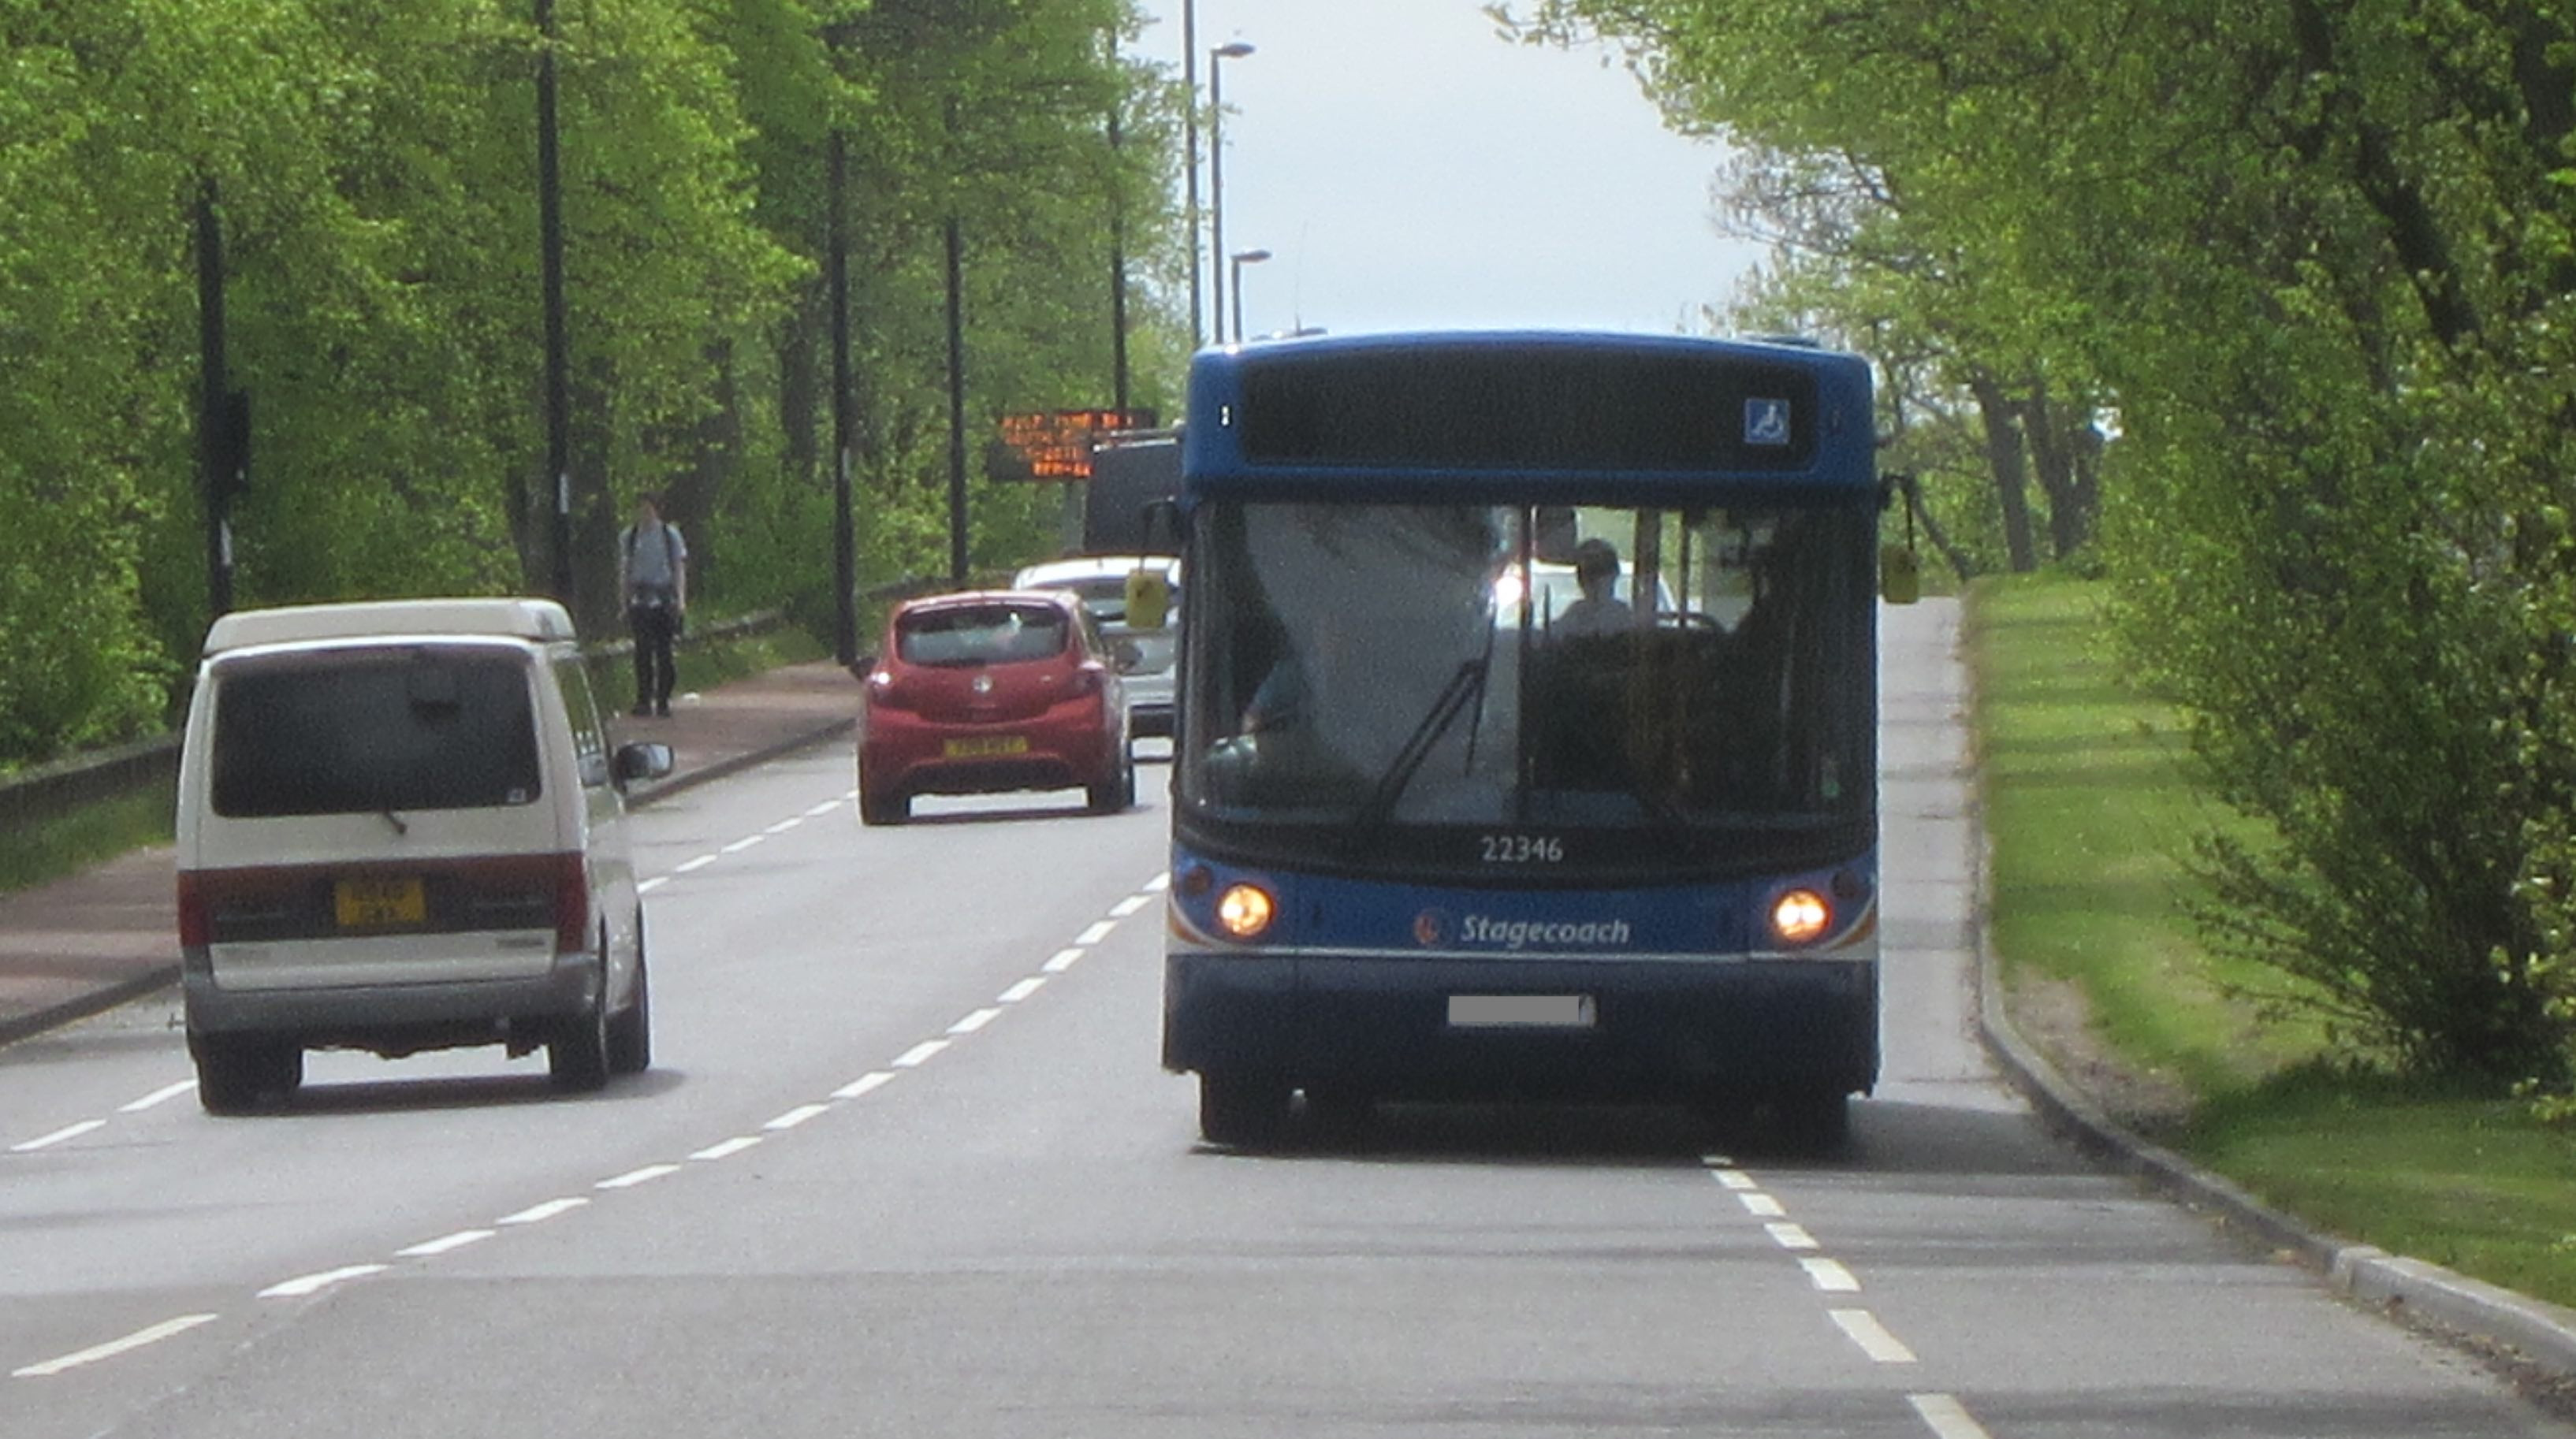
(992, 690)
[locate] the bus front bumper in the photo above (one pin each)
(1526, 1027)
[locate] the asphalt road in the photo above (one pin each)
(906, 1166)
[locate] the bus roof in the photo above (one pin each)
(1529, 414)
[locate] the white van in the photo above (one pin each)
(400, 828)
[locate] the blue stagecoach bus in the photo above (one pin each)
(1528, 740)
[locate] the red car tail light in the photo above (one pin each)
(886, 692)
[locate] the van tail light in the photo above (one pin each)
(194, 932)
(572, 903)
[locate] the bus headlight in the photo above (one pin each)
(1801, 917)
(1245, 910)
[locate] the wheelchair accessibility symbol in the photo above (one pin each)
(1766, 422)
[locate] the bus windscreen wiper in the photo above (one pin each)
(1464, 688)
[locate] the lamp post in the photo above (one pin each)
(1217, 57)
(1190, 143)
(1234, 264)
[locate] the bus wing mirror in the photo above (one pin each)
(1900, 575)
(1149, 599)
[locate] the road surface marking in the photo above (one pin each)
(1159, 883)
(1129, 905)
(1098, 932)
(919, 1054)
(436, 1247)
(650, 885)
(690, 866)
(1023, 989)
(1830, 1276)
(829, 805)
(738, 846)
(114, 1347)
(68, 1131)
(1062, 961)
(162, 1095)
(872, 1080)
(315, 1283)
(633, 1177)
(975, 1021)
(784, 825)
(728, 1149)
(539, 1214)
(1791, 1236)
(1863, 1329)
(1717, 1161)
(1762, 1206)
(1947, 1416)
(1736, 1179)
(796, 1116)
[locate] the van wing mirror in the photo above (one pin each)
(642, 761)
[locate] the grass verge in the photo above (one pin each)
(2091, 808)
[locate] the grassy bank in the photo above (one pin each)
(31, 855)
(2091, 808)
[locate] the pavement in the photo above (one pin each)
(94, 940)
(97, 939)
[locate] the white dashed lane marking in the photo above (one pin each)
(1062, 960)
(633, 1177)
(1790, 1236)
(1096, 933)
(863, 1084)
(309, 1284)
(114, 1347)
(67, 1133)
(1947, 1417)
(920, 1054)
(448, 1245)
(728, 1149)
(1863, 1329)
(975, 1021)
(1023, 989)
(540, 1213)
(1830, 1276)
(163, 1095)
(796, 1116)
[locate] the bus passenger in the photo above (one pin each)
(1600, 611)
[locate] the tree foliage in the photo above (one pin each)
(2318, 259)
(372, 163)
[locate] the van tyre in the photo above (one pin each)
(630, 1031)
(577, 1055)
(235, 1073)
(1242, 1111)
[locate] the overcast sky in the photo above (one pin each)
(1408, 168)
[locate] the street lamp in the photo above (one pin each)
(1234, 276)
(1217, 57)
(1190, 142)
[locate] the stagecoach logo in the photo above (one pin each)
(1436, 927)
(1766, 422)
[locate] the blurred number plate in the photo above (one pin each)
(1520, 1011)
(376, 903)
(986, 746)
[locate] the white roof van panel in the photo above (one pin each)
(535, 620)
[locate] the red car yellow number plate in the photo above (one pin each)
(377, 903)
(986, 746)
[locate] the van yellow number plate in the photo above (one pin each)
(377, 903)
(986, 746)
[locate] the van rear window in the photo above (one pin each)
(375, 730)
(981, 634)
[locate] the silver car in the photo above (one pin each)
(1146, 658)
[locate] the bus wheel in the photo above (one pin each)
(1817, 1121)
(1244, 1111)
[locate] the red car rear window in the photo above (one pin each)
(981, 635)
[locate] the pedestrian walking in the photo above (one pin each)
(653, 576)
